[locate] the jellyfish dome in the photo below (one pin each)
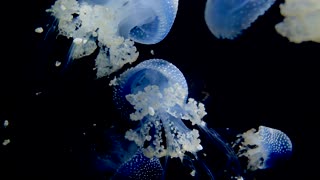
(264, 148)
(112, 26)
(226, 19)
(158, 93)
(301, 22)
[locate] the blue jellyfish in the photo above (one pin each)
(155, 95)
(158, 92)
(140, 167)
(112, 27)
(117, 158)
(264, 148)
(228, 18)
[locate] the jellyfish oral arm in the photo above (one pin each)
(301, 20)
(166, 114)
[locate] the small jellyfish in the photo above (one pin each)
(112, 27)
(264, 148)
(140, 167)
(301, 22)
(228, 18)
(158, 92)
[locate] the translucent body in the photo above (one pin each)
(264, 148)
(228, 18)
(112, 26)
(139, 167)
(301, 22)
(117, 158)
(158, 92)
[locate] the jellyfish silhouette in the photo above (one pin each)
(155, 95)
(112, 26)
(264, 148)
(301, 22)
(227, 19)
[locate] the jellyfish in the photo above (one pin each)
(155, 95)
(158, 92)
(227, 19)
(301, 20)
(139, 167)
(114, 157)
(264, 148)
(111, 27)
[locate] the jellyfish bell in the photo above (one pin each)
(152, 72)
(227, 19)
(111, 27)
(146, 22)
(264, 148)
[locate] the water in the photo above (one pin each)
(58, 120)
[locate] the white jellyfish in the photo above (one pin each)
(112, 27)
(263, 148)
(301, 20)
(228, 18)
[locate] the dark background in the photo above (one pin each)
(257, 79)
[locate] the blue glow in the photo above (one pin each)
(227, 19)
(139, 167)
(155, 95)
(264, 148)
(157, 91)
(112, 27)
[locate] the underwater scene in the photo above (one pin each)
(161, 89)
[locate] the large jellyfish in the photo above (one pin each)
(301, 22)
(264, 148)
(112, 27)
(158, 92)
(228, 18)
(155, 94)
